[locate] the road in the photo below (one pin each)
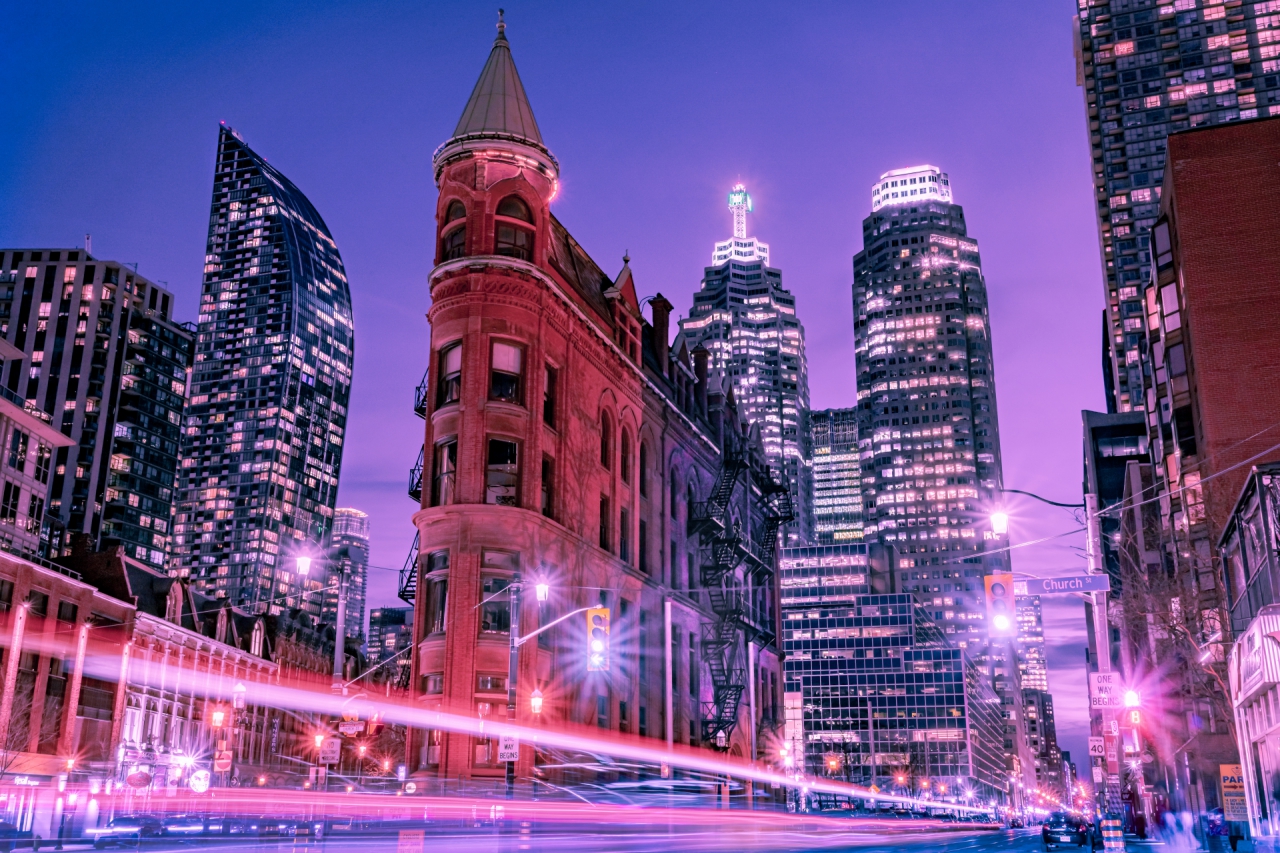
(718, 838)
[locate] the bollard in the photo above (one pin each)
(1112, 835)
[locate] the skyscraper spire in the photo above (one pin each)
(740, 204)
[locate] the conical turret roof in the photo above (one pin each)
(498, 104)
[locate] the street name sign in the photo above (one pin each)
(351, 727)
(1062, 586)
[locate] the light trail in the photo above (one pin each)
(103, 660)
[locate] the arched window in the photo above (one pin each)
(512, 237)
(690, 501)
(454, 243)
(606, 441)
(644, 470)
(625, 463)
(675, 495)
(455, 212)
(514, 207)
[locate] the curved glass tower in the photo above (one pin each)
(267, 412)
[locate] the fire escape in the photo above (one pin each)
(722, 550)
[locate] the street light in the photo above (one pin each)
(535, 701)
(304, 565)
(1132, 699)
(543, 592)
(999, 523)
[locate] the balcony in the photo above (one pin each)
(409, 575)
(415, 479)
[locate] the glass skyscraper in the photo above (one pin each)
(267, 415)
(350, 532)
(1147, 70)
(927, 427)
(875, 692)
(837, 476)
(747, 321)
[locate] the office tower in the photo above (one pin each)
(1032, 664)
(390, 632)
(105, 364)
(927, 427)
(1148, 70)
(744, 317)
(875, 692)
(268, 408)
(1042, 738)
(837, 476)
(350, 555)
(562, 439)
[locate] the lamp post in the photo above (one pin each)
(339, 627)
(360, 770)
(237, 723)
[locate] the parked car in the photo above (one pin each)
(184, 825)
(132, 829)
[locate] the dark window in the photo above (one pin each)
(437, 602)
(548, 486)
(604, 522)
(644, 470)
(642, 546)
(675, 495)
(39, 603)
(675, 565)
(445, 470)
(18, 450)
(433, 683)
(549, 398)
(624, 535)
(455, 212)
(513, 242)
(67, 611)
(625, 462)
(506, 373)
(606, 441)
(623, 721)
(43, 454)
(515, 208)
(454, 244)
(491, 684)
(6, 595)
(602, 711)
(502, 473)
(449, 386)
(9, 502)
(495, 612)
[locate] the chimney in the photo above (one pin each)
(700, 358)
(661, 330)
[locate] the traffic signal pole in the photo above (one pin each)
(1102, 641)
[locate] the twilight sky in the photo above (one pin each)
(112, 114)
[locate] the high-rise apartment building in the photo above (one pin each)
(1149, 69)
(927, 429)
(350, 556)
(267, 414)
(390, 633)
(744, 317)
(106, 365)
(1032, 664)
(837, 476)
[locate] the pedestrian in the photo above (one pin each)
(1140, 827)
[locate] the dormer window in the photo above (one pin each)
(513, 234)
(454, 242)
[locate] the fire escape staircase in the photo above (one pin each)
(409, 576)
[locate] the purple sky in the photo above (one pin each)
(111, 116)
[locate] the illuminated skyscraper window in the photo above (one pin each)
(837, 477)
(747, 321)
(267, 415)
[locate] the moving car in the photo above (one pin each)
(131, 830)
(1061, 829)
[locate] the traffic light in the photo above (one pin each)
(1001, 616)
(1134, 716)
(598, 639)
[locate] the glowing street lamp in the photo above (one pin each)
(1132, 699)
(304, 565)
(218, 717)
(543, 591)
(999, 523)
(535, 701)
